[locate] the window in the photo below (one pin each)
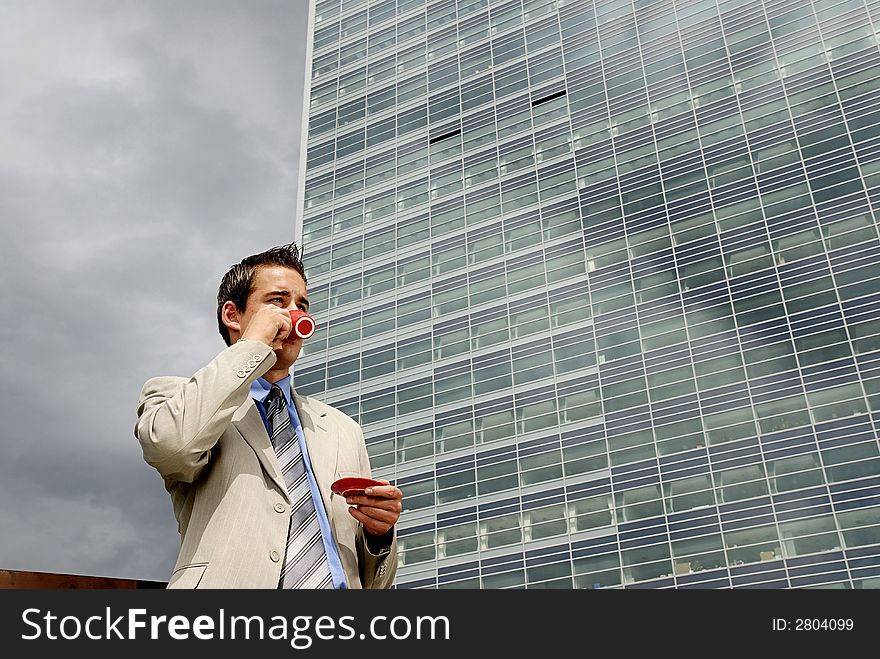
(537, 415)
(487, 288)
(597, 571)
(413, 353)
(413, 310)
(455, 487)
(579, 405)
(584, 458)
(571, 308)
(795, 472)
(646, 563)
(345, 292)
(497, 477)
(496, 377)
(512, 579)
(541, 467)
(742, 483)
(455, 434)
(631, 446)
(419, 494)
(414, 444)
(508, 47)
(416, 548)
(545, 522)
(591, 513)
(494, 424)
(344, 331)
(574, 354)
(808, 536)
(783, 413)
(413, 270)
(449, 300)
(639, 503)
(412, 231)
(381, 452)
(758, 543)
(501, 531)
(456, 540)
(377, 407)
(860, 526)
(696, 554)
(451, 388)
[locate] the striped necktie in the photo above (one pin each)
(305, 560)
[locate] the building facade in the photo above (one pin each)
(599, 279)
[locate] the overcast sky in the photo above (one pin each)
(145, 146)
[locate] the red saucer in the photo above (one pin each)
(351, 486)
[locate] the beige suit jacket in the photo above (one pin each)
(207, 439)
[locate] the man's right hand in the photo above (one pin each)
(271, 325)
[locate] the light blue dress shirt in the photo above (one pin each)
(259, 390)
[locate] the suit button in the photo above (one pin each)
(274, 556)
(279, 508)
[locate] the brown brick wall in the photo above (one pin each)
(49, 580)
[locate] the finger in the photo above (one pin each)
(375, 502)
(286, 322)
(379, 511)
(379, 514)
(284, 331)
(372, 525)
(386, 491)
(280, 318)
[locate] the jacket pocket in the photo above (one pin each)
(188, 576)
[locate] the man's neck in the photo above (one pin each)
(276, 375)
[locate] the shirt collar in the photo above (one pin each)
(260, 389)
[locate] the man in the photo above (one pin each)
(249, 463)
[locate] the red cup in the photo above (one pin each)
(303, 324)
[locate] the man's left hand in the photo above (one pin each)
(378, 508)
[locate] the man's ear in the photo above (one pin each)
(230, 315)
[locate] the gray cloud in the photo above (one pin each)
(147, 147)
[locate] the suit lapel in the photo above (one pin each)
(250, 424)
(322, 449)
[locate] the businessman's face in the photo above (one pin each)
(284, 288)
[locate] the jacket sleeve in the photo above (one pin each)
(180, 420)
(377, 558)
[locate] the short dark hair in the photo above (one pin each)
(238, 282)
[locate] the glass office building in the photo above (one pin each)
(600, 279)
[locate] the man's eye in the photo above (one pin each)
(277, 299)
